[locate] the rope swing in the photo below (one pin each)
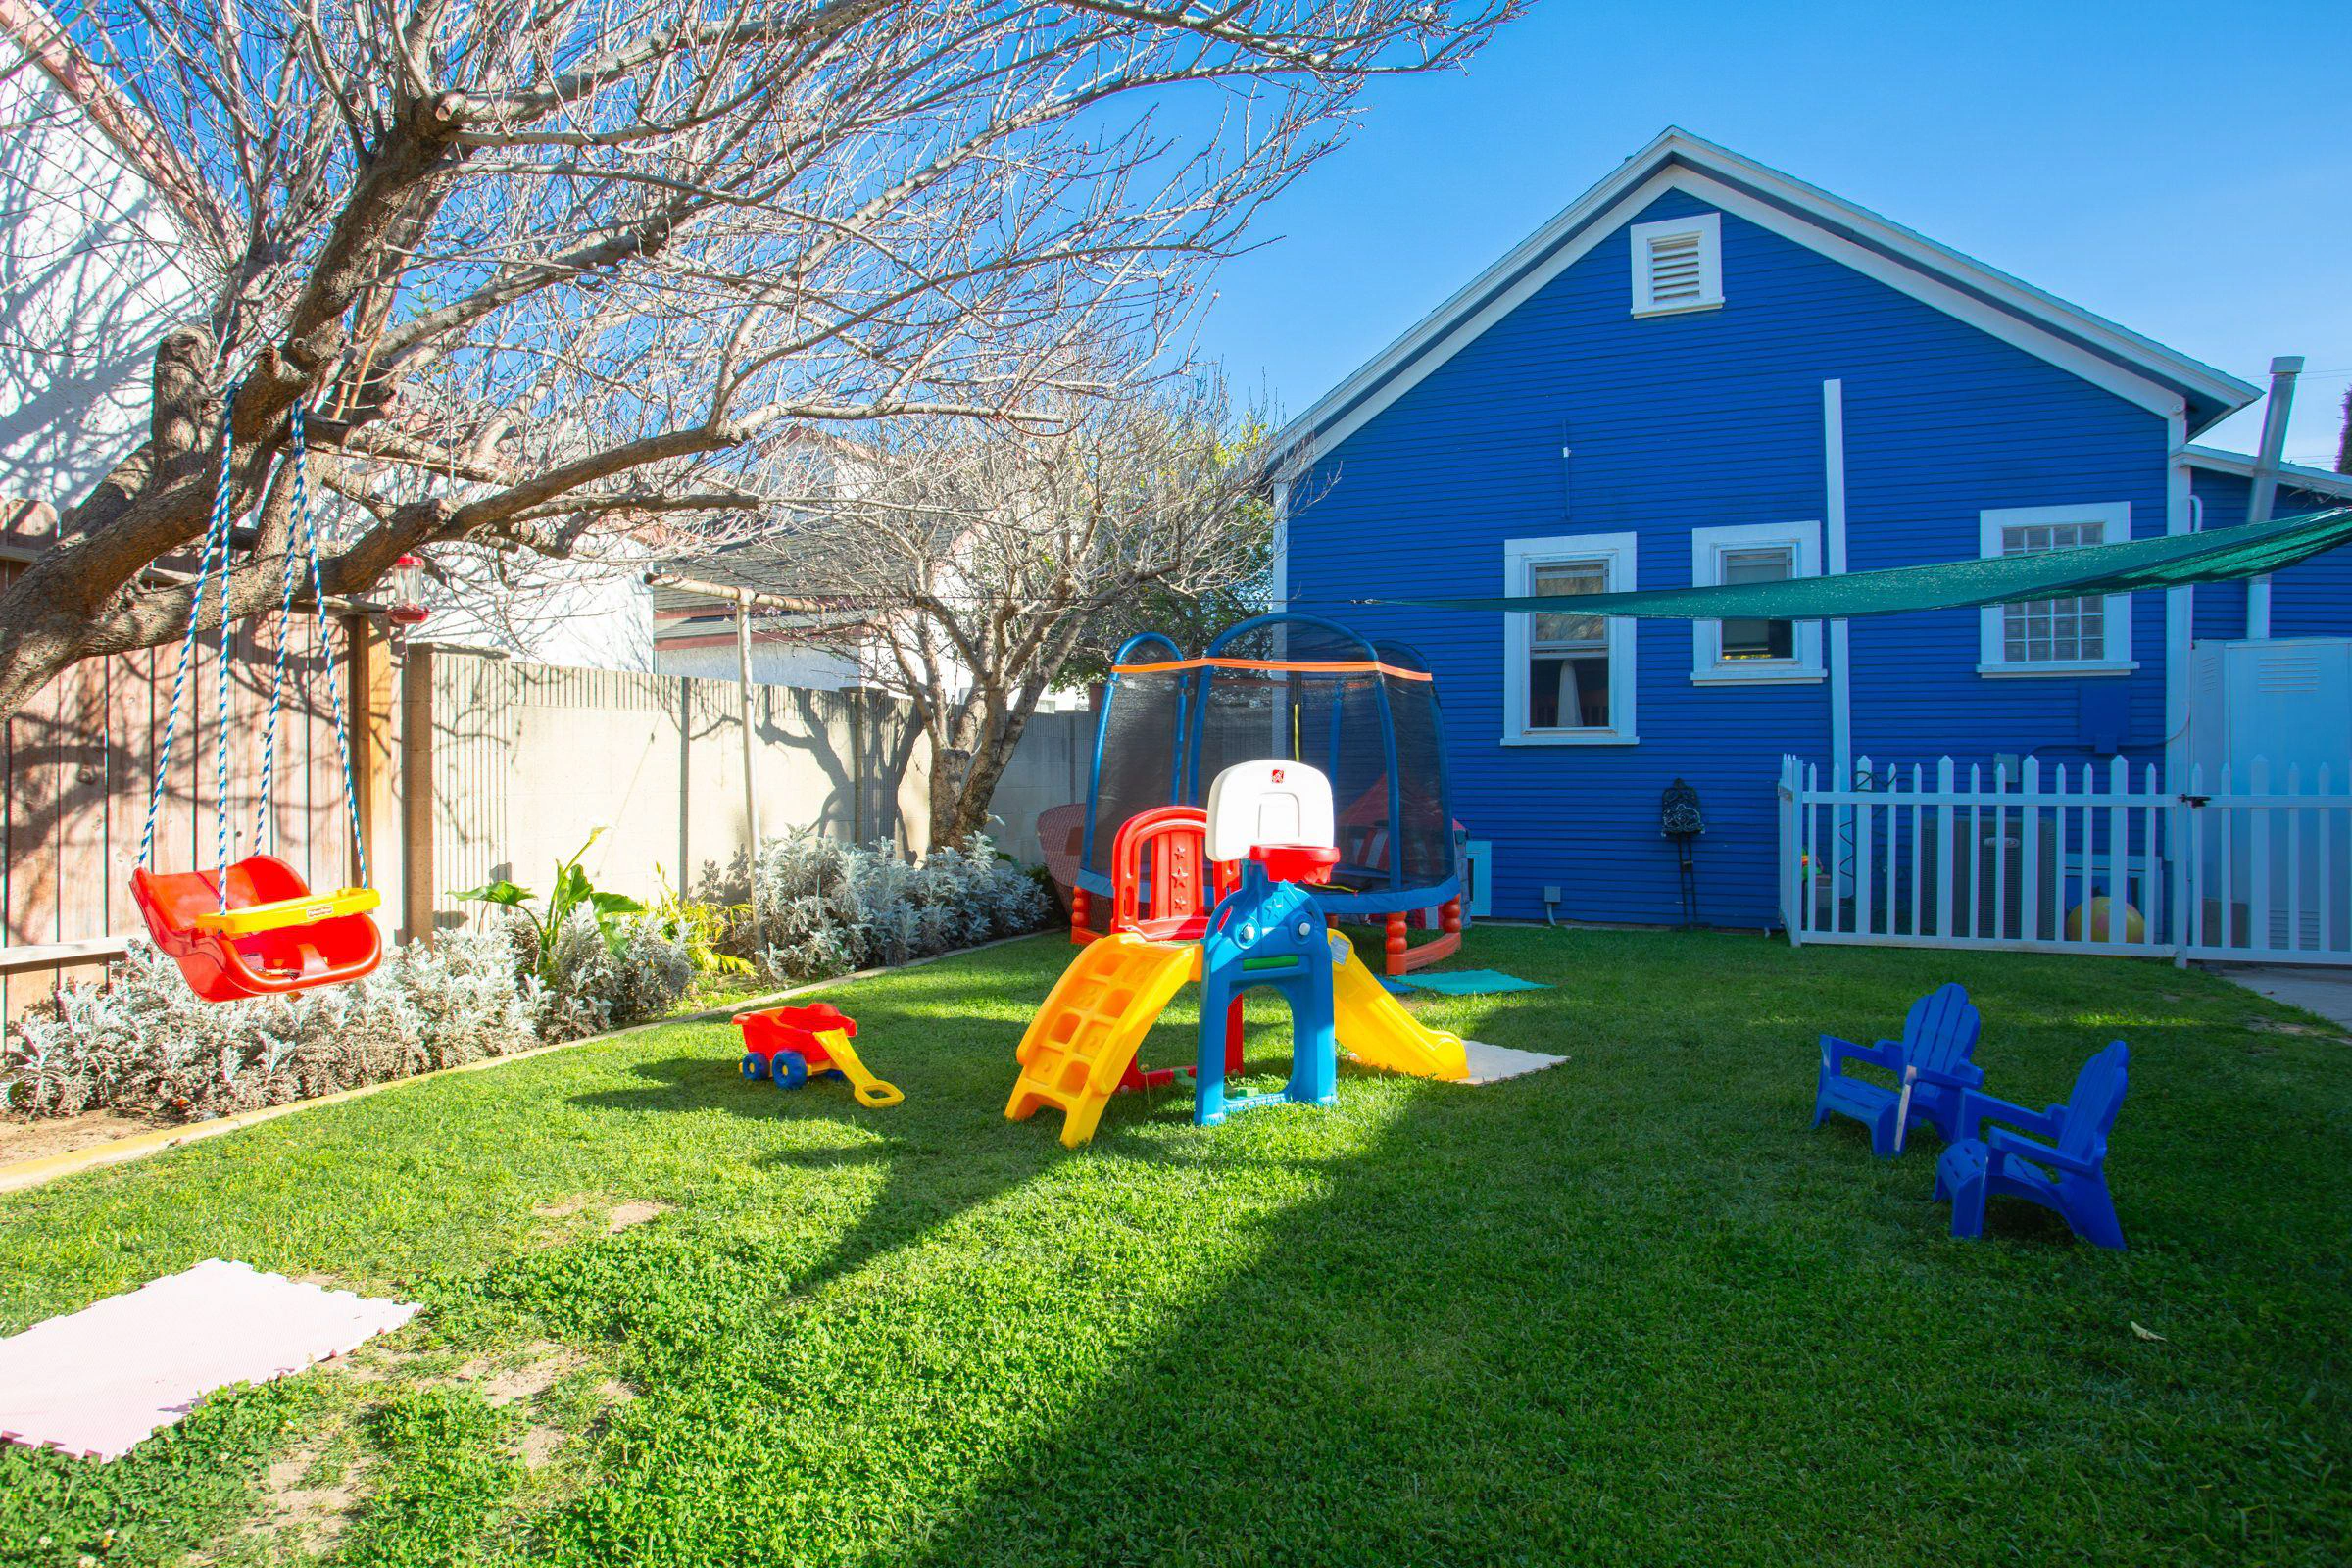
(253, 927)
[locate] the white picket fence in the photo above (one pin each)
(2065, 859)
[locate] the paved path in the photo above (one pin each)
(2325, 992)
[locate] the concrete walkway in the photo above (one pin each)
(2325, 992)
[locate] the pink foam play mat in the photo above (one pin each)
(97, 1381)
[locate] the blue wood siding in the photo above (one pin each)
(2311, 600)
(1703, 419)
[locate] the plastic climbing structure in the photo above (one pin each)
(1263, 842)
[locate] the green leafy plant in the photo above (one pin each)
(702, 930)
(573, 895)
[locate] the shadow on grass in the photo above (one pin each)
(1355, 1392)
(682, 1084)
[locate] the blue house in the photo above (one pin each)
(1704, 370)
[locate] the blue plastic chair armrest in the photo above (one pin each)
(2001, 1141)
(1885, 1054)
(1976, 1108)
(1965, 1076)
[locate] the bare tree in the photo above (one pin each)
(542, 269)
(986, 561)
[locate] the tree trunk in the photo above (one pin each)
(964, 780)
(950, 767)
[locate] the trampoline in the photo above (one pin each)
(1310, 690)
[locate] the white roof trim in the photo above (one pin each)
(2292, 475)
(2036, 322)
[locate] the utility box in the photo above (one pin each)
(1986, 861)
(2275, 711)
(2285, 699)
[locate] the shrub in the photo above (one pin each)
(711, 934)
(597, 977)
(143, 1042)
(819, 907)
(574, 898)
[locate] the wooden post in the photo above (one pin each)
(374, 758)
(416, 872)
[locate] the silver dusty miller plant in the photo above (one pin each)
(142, 1041)
(820, 907)
(598, 980)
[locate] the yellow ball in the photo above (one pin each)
(2103, 923)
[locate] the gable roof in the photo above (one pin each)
(2075, 339)
(2292, 475)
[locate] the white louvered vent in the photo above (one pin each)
(1677, 265)
(1674, 269)
(2287, 674)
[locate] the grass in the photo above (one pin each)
(1628, 1310)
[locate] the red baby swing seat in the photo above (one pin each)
(273, 936)
(253, 927)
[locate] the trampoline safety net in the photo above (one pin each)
(1293, 687)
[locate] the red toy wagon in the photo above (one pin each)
(785, 1044)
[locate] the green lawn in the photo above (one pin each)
(1630, 1311)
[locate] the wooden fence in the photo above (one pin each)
(467, 766)
(527, 761)
(79, 762)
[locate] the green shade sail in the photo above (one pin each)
(2169, 560)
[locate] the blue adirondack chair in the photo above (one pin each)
(2069, 1173)
(1930, 1069)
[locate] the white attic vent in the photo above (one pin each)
(1677, 265)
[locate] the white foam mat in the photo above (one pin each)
(97, 1381)
(1490, 1064)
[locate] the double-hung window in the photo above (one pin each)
(2075, 635)
(1568, 679)
(1752, 649)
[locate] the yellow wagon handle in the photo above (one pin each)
(308, 909)
(870, 1091)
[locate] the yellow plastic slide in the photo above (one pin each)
(1078, 1045)
(1378, 1032)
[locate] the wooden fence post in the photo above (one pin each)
(374, 742)
(417, 794)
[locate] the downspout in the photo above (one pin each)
(1840, 651)
(2179, 625)
(2265, 490)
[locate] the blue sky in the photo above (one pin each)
(2185, 171)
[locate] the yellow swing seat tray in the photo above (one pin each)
(279, 913)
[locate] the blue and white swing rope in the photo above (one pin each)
(216, 541)
(334, 689)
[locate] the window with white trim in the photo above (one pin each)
(1677, 265)
(2076, 635)
(1568, 679)
(1750, 650)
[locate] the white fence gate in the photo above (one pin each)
(2106, 860)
